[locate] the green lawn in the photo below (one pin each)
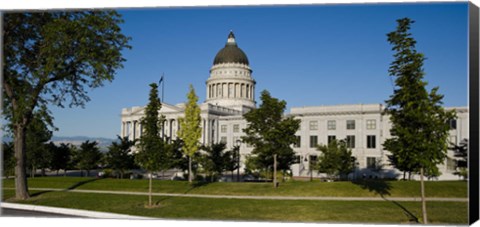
(291, 188)
(258, 210)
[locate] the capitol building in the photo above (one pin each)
(230, 93)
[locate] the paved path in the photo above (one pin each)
(45, 211)
(334, 198)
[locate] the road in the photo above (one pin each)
(7, 212)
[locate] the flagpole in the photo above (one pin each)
(163, 86)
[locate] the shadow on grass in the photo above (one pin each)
(379, 187)
(411, 217)
(36, 194)
(382, 188)
(197, 184)
(80, 184)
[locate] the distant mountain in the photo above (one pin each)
(103, 143)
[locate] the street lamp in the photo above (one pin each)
(237, 147)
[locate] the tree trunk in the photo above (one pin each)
(190, 178)
(404, 173)
(150, 190)
(21, 186)
(424, 204)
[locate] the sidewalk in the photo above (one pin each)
(316, 198)
(72, 212)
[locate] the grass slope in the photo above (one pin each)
(291, 188)
(255, 210)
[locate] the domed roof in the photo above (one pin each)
(231, 53)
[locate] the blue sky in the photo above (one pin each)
(306, 55)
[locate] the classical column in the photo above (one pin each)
(134, 129)
(207, 131)
(253, 92)
(122, 129)
(203, 131)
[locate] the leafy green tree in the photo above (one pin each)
(88, 156)
(190, 131)
(461, 153)
(49, 59)
(119, 156)
(151, 155)
(37, 136)
(215, 159)
(336, 159)
(60, 157)
(74, 160)
(178, 159)
(271, 134)
(8, 159)
(231, 160)
(419, 122)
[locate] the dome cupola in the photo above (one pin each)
(230, 83)
(231, 53)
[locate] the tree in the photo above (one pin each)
(119, 156)
(37, 136)
(151, 155)
(60, 157)
(460, 152)
(419, 122)
(215, 160)
(336, 159)
(271, 134)
(190, 131)
(231, 161)
(88, 156)
(8, 159)
(49, 59)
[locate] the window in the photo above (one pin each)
(371, 142)
(453, 124)
(371, 124)
(223, 128)
(350, 141)
(331, 138)
(313, 141)
(451, 164)
(371, 162)
(236, 128)
(331, 125)
(350, 124)
(223, 139)
(313, 125)
(313, 159)
(297, 141)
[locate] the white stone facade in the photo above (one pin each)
(230, 93)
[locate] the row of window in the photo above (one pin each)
(230, 72)
(332, 124)
(349, 140)
(223, 128)
(313, 125)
